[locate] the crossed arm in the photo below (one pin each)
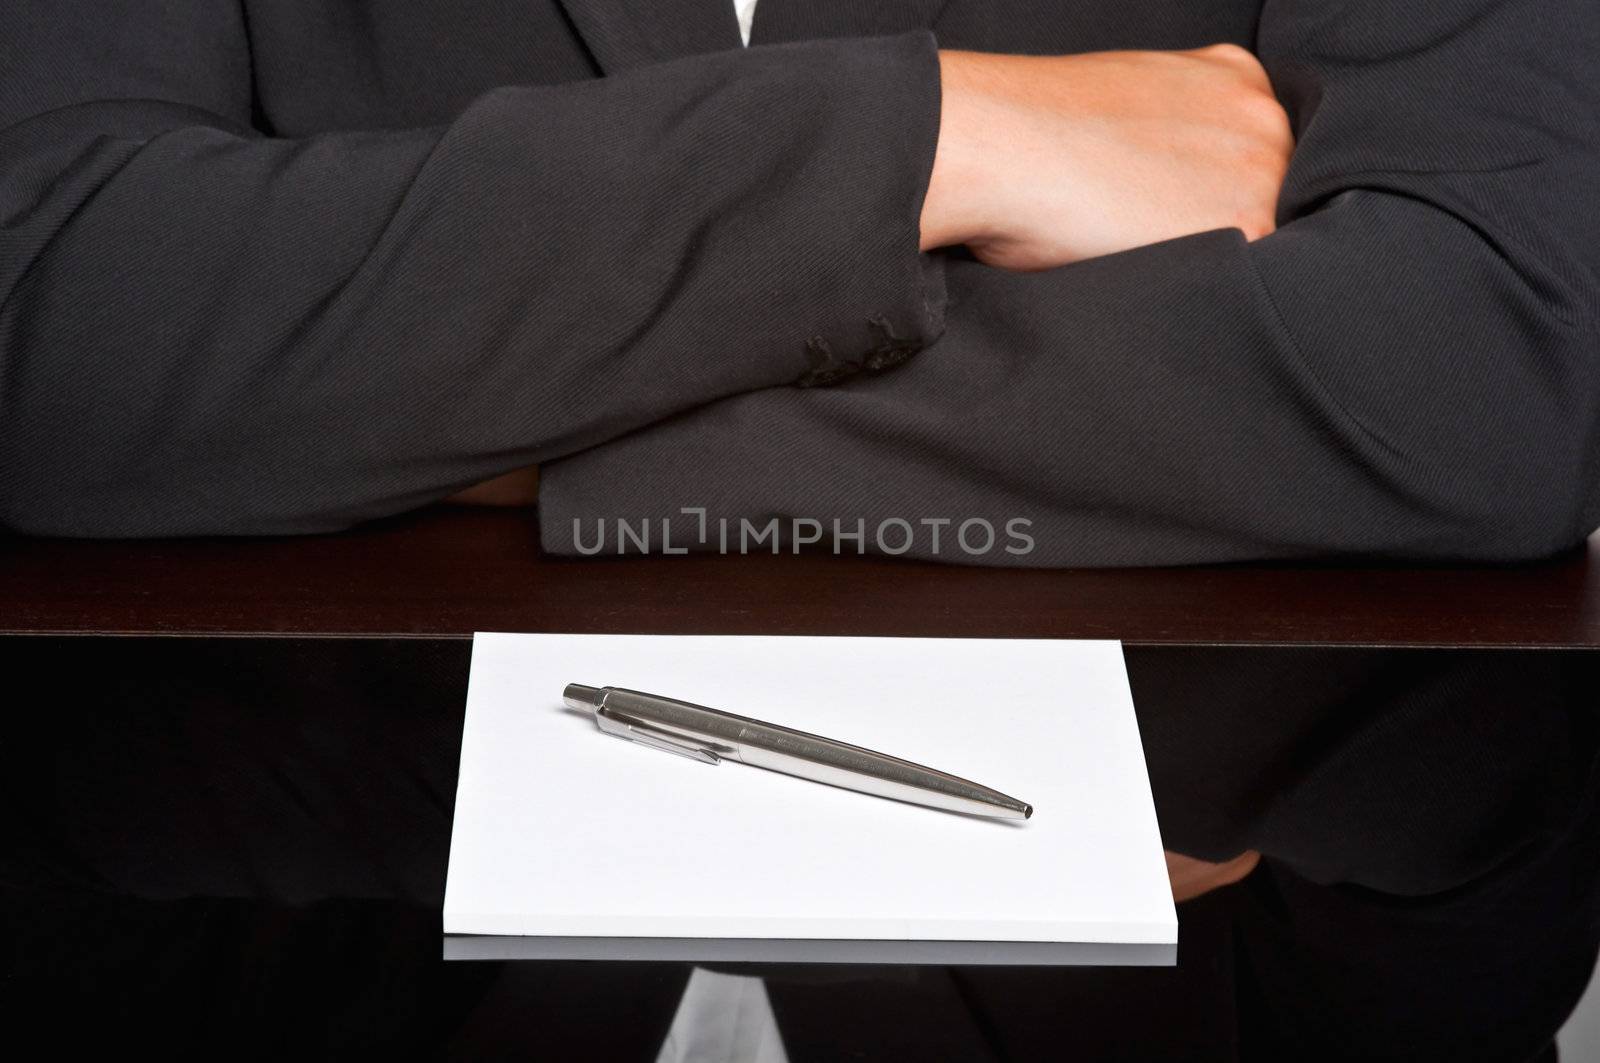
(1407, 364)
(1042, 162)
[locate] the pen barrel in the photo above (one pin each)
(870, 772)
(806, 756)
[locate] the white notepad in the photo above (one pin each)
(571, 837)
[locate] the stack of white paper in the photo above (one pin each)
(587, 846)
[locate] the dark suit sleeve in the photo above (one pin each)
(1408, 367)
(207, 329)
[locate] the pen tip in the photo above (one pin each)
(1027, 811)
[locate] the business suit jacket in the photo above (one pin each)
(285, 266)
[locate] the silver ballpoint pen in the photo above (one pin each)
(712, 736)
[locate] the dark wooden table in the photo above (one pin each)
(447, 573)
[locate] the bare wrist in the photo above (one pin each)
(952, 211)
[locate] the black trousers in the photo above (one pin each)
(236, 848)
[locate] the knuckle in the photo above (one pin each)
(1255, 224)
(1248, 73)
(1263, 108)
(1230, 53)
(1265, 123)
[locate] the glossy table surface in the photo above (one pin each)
(448, 572)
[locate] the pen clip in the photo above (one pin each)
(618, 726)
(672, 744)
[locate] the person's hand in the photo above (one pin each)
(1190, 877)
(1047, 160)
(519, 488)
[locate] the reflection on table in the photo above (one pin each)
(237, 848)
